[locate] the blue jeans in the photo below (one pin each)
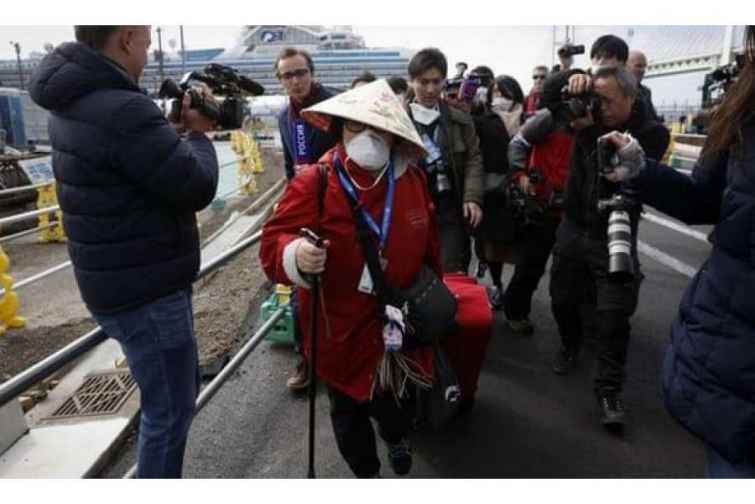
(720, 468)
(158, 340)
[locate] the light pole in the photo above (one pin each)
(183, 51)
(160, 52)
(17, 47)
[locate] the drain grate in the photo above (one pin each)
(100, 394)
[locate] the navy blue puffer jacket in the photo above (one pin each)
(128, 186)
(709, 368)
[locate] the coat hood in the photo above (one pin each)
(73, 71)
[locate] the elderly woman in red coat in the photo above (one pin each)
(374, 161)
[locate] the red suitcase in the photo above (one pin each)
(466, 349)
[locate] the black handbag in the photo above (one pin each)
(428, 305)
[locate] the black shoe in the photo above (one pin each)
(613, 415)
(400, 457)
(565, 361)
(482, 268)
(496, 299)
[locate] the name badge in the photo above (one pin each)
(433, 151)
(366, 285)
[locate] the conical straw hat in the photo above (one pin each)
(374, 104)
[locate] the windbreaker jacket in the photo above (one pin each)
(127, 184)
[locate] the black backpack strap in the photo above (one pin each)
(323, 187)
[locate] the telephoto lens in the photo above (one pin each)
(620, 265)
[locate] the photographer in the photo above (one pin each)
(580, 271)
(129, 188)
(538, 159)
(709, 368)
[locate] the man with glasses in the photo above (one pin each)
(302, 145)
(538, 79)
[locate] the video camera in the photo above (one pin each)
(717, 82)
(620, 207)
(223, 81)
(568, 50)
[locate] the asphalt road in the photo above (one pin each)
(527, 423)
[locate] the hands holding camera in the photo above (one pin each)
(631, 156)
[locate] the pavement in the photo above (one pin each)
(527, 422)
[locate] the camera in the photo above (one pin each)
(463, 89)
(620, 207)
(223, 81)
(574, 107)
(568, 50)
(717, 82)
(525, 208)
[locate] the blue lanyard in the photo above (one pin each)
(300, 141)
(382, 234)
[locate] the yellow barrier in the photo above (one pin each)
(9, 302)
(47, 198)
(250, 162)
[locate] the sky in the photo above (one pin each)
(479, 45)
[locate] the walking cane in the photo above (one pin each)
(315, 282)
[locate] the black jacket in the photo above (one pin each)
(709, 369)
(128, 186)
(584, 187)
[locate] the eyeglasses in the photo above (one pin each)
(538, 77)
(301, 72)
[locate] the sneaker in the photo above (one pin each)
(496, 299)
(400, 457)
(613, 415)
(300, 379)
(522, 327)
(565, 361)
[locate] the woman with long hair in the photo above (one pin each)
(496, 124)
(709, 367)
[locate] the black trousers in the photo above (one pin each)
(454, 239)
(536, 245)
(579, 275)
(353, 429)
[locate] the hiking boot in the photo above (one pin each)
(613, 415)
(521, 327)
(496, 299)
(400, 457)
(300, 379)
(565, 361)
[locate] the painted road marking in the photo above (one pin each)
(665, 259)
(676, 226)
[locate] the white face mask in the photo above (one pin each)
(424, 115)
(501, 103)
(368, 150)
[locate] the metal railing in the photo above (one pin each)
(38, 372)
(14, 190)
(12, 219)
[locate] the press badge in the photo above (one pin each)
(366, 285)
(433, 151)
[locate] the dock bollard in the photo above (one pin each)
(9, 302)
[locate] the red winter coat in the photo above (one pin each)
(348, 357)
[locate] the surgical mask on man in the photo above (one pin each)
(368, 150)
(501, 103)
